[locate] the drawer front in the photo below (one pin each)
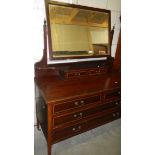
(76, 103)
(82, 127)
(85, 72)
(90, 124)
(63, 119)
(112, 95)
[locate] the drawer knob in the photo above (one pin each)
(113, 115)
(73, 129)
(116, 103)
(76, 103)
(81, 114)
(79, 127)
(75, 115)
(82, 102)
(115, 82)
(119, 92)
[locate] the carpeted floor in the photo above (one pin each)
(104, 140)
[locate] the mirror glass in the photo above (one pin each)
(77, 32)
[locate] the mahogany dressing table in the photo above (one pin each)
(75, 97)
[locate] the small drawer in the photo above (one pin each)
(76, 103)
(102, 119)
(67, 132)
(60, 120)
(110, 95)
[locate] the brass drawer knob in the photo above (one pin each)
(116, 103)
(76, 103)
(79, 127)
(75, 115)
(81, 114)
(82, 101)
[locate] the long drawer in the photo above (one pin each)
(64, 119)
(76, 103)
(67, 132)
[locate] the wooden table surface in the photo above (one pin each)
(56, 89)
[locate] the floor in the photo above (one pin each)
(104, 140)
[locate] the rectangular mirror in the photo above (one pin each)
(78, 32)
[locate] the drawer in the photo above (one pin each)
(76, 103)
(113, 94)
(63, 119)
(84, 72)
(90, 124)
(67, 132)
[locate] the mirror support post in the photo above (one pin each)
(112, 34)
(43, 62)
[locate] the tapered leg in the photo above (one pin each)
(49, 149)
(36, 100)
(38, 126)
(49, 126)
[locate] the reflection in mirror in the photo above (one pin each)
(77, 33)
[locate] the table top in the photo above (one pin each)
(54, 89)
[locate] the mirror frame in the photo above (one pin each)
(49, 2)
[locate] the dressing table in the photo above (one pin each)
(78, 87)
